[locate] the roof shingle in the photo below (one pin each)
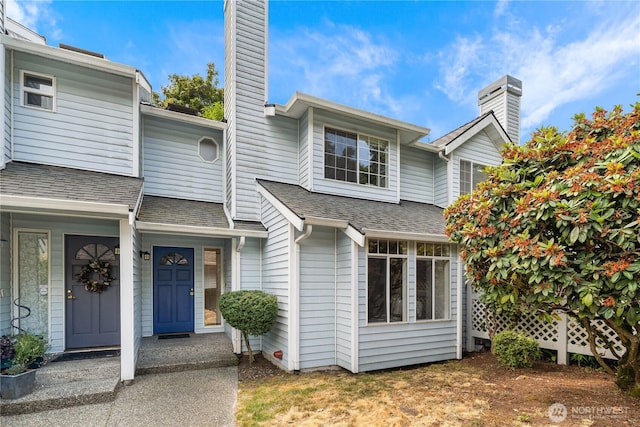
(165, 210)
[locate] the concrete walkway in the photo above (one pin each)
(204, 397)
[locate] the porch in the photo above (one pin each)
(81, 382)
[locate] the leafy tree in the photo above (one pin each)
(252, 312)
(557, 227)
(201, 94)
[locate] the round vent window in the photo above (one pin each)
(208, 149)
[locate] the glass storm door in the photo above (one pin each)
(92, 318)
(172, 290)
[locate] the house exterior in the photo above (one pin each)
(335, 210)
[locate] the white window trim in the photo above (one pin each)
(473, 165)
(358, 135)
(405, 305)
(221, 282)
(433, 259)
(217, 149)
(24, 89)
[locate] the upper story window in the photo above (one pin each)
(470, 175)
(351, 157)
(208, 149)
(38, 90)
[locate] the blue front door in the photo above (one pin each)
(172, 290)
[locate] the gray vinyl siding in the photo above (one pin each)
(91, 127)
(261, 147)
(324, 119)
(440, 187)
(275, 277)
(506, 108)
(383, 346)
(303, 156)
(479, 150)
(5, 274)
(173, 166)
(6, 116)
(198, 244)
(416, 175)
(59, 227)
(318, 299)
(250, 262)
(344, 296)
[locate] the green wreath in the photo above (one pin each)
(87, 276)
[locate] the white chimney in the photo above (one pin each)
(503, 97)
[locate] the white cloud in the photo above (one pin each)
(555, 66)
(34, 15)
(345, 64)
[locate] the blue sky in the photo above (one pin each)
(419, 61)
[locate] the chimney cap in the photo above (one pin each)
(506, 83)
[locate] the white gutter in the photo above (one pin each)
(241, 244)
(17, 202)
(384, 234)
(68, 56)
(228, 214)
(154, 227)
(443, 157)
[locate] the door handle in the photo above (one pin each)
(70, 294)
(191, 292)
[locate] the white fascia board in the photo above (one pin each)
(490, 120)
(185, 118)
(10, 202)
(141, 79)
(68, 56)
(160, 228)
(395, 235)
(326, 222)
(300, 102)
(426, 146)
(294, 219)
(355, 235)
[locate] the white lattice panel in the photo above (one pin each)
(547, 334)
(578, 339)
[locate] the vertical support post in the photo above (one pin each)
(470, 340)
(563, 339)
(236, 340)
(127, 315)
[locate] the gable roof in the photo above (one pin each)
(404, 220)
(29, 185)
(301, 102)
(181, 216)
(459, 136)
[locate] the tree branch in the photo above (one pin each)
(592, 344)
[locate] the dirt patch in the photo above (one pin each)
(476, 391)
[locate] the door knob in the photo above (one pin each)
(191, 291)
(70, 294)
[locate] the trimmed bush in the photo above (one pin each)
(515, 350)
(251, 312)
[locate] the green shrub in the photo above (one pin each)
(515, 350)
(251, 312)
(28, 348)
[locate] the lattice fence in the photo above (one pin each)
(564, 336)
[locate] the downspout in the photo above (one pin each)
(459, 297)
(449, 175)
(295, 301)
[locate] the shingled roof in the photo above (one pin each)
(454, 134)
(55, 182)
(361, 214)
(165, 210)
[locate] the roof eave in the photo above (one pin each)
(13, 203)
(301, 102)
(185, 118)
(163, 228)
(489, 120)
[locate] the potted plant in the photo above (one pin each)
(26, 351)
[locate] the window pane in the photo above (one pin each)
(442, 289)
(424, 289)
(36, 100)
(465, 177)
(41, 84)
(478, 174)
(397, 291)
(329, 172)
(212, 287)
(33, 276)
(376, 290)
